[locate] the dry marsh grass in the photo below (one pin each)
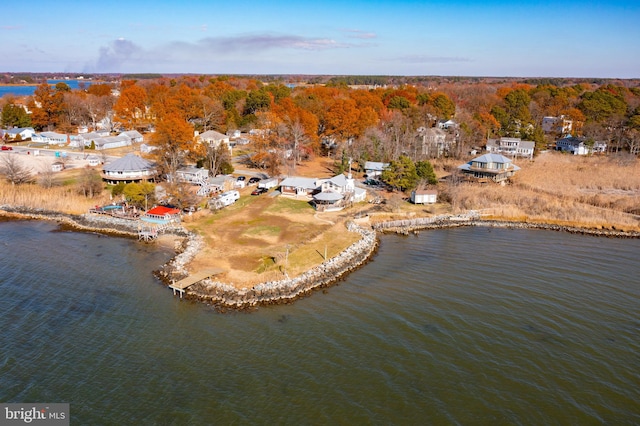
(64, 199)
(600, 192)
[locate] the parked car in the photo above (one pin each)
(254, 180)
(241, 178)
(259, 191)
(7, 148)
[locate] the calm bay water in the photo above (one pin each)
(27, 90)
(460, 326)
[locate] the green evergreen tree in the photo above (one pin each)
(425, 172)
(401, 174)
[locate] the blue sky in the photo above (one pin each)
(400, 37)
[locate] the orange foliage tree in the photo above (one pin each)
(131, 107)
(174, 139)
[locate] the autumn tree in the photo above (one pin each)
(99, 89)
(130, 108)
(46, 106)
(174, 139)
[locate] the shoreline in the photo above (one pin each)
(224, 296)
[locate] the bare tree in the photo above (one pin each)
(90, 183)
(217, 156)
(12, 169)
(298, 136)
(211, 112)
(46, 177)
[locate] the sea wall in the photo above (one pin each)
(102, 224)
(226, 296)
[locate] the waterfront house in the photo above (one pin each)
(424, 196)
(489, 168)
(299, 186)
(580, 146)
(337, 193)
(374, 168)
(130, 168)
(511, 147)
(161, 215)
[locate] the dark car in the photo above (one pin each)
(259, 191)
(254, 180)
(7, 148)
(241, 178)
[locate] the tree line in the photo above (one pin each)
(381, 122)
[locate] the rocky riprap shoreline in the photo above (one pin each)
(102, 224)
(473, 218)
(226, 296)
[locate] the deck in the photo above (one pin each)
(181, 285)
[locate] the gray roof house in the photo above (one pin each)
(130, 168)
(489, 168)
(213, 138)
(511, 147)
(374, 168)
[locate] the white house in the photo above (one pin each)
(212, 138)
(134, 135)
(579, 146)
(51, 138)
(337, 193)
(511, 147)
(424, 196)
(559, 125)
(299, 186)
(21, 133)
(447, 124)
(192, 175)
(374, 168)
(111, 142)
(129, 168)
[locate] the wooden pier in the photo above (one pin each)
(181, 285)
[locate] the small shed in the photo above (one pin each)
(57, 166)
(424, 196)
(93, 160)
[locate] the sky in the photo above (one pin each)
(528, 38)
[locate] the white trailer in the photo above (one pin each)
(223, 200)
(268, 183)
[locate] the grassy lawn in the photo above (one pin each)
(258, 238)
